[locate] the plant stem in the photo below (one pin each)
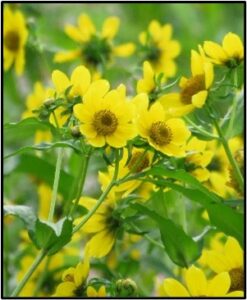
(55, 184)
(199, 128)
(81, 180)
(41, 279)
(102, 197)
(29, 273)
(236, 170)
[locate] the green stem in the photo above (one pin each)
(102, 197)
(151, 240)
(55, 184)
(42, 277)
(81, 181)
(199, 128)
(29, 273)
(236, 170)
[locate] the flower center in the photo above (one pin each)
(215, 165)
(105, 122)
(96, 51)
(12, 40)
(160, 133)
(137, 162)
(193, 86)
(237, 279)
(153, 53)
(69, 277)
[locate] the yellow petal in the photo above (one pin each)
(97, 90)
(80, 79)
(110, 27)
(86, 26)
(168, 67)
(81, 113)
(234, 252)
(140, 102)
(196, 281)
(174, 288)
(214, 51)
(233, 45)
(217, 262)
(60, 80)
(124, 50)
(198, 100)
(81, 272)
(98, 141)
(100, 244)
(181, 111)
(183, 82)
(68, 275)
(170, 100)
(91, 292)
(8, 59)
(196, 64)
(219, 285)
(209, 74)
(95, 224)
(88, 130)
(201, 174)
(74, 33)
(102, 291)
(65, 289)
(154, 29)
(180, 132)
(20, 62)
(61, 57)
(235, 294)
(173, 150)
(116, 141)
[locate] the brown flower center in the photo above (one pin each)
(160, 133)
(69, 277)
(193, 86)
(12, 40)
(237, 279)
(105, 122)
(138, 162)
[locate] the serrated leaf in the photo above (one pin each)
(180, 247)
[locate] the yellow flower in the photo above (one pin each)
(231, 53)
(15, 36)
(106, 117)
(166, 135)
(74, 281)
(147, 83)
(138, 162)
(79, 82)
(197, 285)
(229, 259)
(91, 292)
(198, 158)
(103, 225)
(93, 47)
(36, 99)
(194, 90)
(160, 49)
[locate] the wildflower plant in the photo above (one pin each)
(134, 185)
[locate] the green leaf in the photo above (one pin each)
(24, 212)
(180, 247)
(222, 216)
(46, 146)
(185, 177)
(44, 171)
(233, 122)
(26, 128)
(52, 236)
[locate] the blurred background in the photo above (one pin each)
(192, 24)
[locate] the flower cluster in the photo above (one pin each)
(162, 150)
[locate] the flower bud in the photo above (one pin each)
(126, 287)
(75, 132)
(47, 103)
